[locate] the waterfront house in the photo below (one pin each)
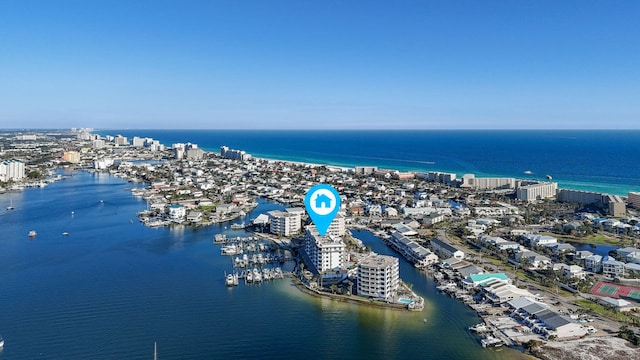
(562, 248)
(446, 250)
(536, 239)
(194, 216)
(480, 280)
(499, 292)
(581, 255)
(623, 252)
(560, 326)
(177, 212)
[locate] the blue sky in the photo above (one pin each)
(320, 64)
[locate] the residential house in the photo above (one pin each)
(573, 271)
(446, 250)
(533, 260)
(612, 267)
(536, 239)
(593, 263)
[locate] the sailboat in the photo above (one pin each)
(155, 351)
(10, 207)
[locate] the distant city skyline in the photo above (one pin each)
(320, 65)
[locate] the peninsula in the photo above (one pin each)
(506, 247)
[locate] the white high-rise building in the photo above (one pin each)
(325, 252)
(379, 277)
(11, 170)
(284, 223)
(138, 141)
(338, 226)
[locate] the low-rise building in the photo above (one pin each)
(612, 267)
(445, 250)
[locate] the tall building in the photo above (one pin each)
(138, 141)
(11, 170)
(232, 154)
(121, 140)
(378, 277)
(537, 191)
(98, 144)
(470, 181)
(338, 226)
(284, 223)
(325, 252)
(71, 156)
(634, 199)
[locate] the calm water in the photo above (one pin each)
(593, 160)
(113, 287)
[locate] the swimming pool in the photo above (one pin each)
(405, 301)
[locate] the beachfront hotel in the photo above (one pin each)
(325, 252)
(378, 277)
(537, 191)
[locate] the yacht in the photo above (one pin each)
(10, 207)
(1, 342)
(32, 233)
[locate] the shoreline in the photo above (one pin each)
(578, 184)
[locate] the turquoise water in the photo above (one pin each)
(113, 287)
(592, 160)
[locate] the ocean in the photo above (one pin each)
(590, 160)
(112, 287)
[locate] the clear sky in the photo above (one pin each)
(320, 64)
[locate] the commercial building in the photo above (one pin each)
(379, 277)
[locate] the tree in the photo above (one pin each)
(34, 175)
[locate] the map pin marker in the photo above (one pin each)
(322, 202)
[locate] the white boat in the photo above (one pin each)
(65, 234)
(479, 328)
(237, 226)
(1, 342)
(230, 280)
(10, 207)
(231, 249)
(32, 233)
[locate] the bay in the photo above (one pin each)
(113, 287)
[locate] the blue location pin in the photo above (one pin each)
(322, 202)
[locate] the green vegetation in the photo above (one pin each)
(597, 239)
(607, 312)
(629, 335)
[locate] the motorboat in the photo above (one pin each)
(32, 233)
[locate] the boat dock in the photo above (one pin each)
(254, 276)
